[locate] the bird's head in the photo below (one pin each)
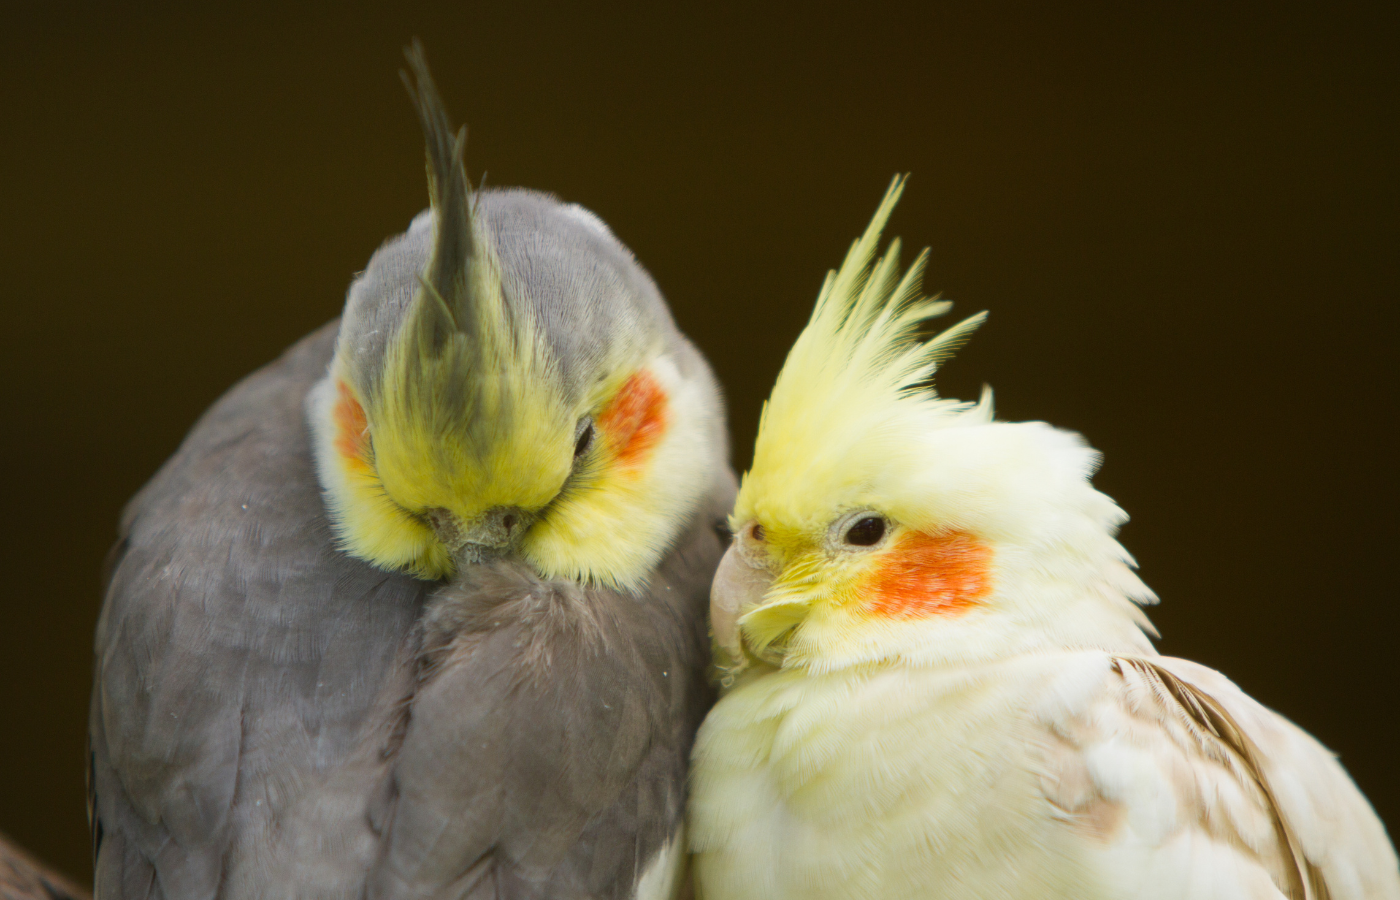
(508, 382)
(881, 521)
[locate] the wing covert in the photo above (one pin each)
(1340, 846)
(242, 665)
(1180, 785)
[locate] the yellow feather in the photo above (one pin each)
(477, 422)
(854, 428)
(853, 382)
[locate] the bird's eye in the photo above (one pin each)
(584, 439)
(866, 532)
(757, 532)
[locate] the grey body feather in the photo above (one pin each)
(273, 718)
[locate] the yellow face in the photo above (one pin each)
(862, 569)
(581, 485)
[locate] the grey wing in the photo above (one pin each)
(547, 750)
(245, 671)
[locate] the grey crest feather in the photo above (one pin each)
(561, 270)
(446, 298)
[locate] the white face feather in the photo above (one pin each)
(1058, 576)
(992, 540)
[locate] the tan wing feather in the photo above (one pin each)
(1181, 785)
(1340, 847)
(1211, 724)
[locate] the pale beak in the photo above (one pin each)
(738, 587)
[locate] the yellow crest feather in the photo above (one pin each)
(856, 378)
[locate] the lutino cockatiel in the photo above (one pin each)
(939, 680)
(418, 610)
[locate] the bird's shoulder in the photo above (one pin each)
(1172, 778)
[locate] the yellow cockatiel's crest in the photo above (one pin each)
(848, 406)
(855, 383)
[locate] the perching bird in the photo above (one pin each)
(418, 610)
(940, 682)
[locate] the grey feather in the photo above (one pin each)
(445, 282)
(242, 663)
(550, 710)
(582, 286)
(560, 268)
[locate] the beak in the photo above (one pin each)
(494, 533)
(739, 586)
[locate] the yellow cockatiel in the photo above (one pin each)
(939, 680)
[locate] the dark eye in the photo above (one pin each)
(867, 532)
(757, 532)
(584, 439)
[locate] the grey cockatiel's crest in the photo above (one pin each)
(283, 707)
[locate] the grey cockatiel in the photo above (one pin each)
(418, 609)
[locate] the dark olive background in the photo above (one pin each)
(1183, 223)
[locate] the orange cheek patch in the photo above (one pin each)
(635, 418)
(351, 427)
(924, 575)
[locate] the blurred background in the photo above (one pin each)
(1183, 223)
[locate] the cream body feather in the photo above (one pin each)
(939, 677)
(1052, 774)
